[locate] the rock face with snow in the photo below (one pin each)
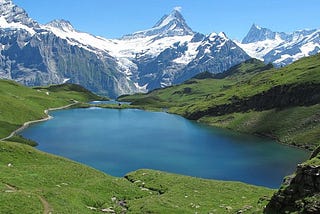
(169, 25)
(168, 53)
(280, 48)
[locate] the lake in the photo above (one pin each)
(120, 141)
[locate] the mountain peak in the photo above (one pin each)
(61, 24)
(174, 21)
(11, 13)
(175, 15)
(169, 25)
(255, 27)
(257, 33)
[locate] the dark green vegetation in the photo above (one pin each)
(20, 104)
(21, 139)
(32, 181)
(300, 192)
(251, 97)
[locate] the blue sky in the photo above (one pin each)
(114, 18)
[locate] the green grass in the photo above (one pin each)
(299, 126)
(293, 125)
(21, 139)
(181, 194)
(20, 104)
(210, 92)
(69, 187)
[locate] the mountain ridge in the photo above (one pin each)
(169, 25)
(168, 53)
(280, 48)
(146, 60)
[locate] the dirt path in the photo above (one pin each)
(47, 209)
(11, 188)
(48, 117)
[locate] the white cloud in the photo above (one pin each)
(178, 8)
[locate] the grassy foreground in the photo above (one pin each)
(33, 182)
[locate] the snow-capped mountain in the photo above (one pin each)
(168, 53)
(15, 17)
(169, 25)
(33, 54)
(280, 48)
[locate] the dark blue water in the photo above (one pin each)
(121, 141)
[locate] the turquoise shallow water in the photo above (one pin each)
(121, 141)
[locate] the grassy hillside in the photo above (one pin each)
(32, 181)
(251, 97)
(20, 104)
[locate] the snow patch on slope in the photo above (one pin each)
(309, 47)
(259, 49)
(14, 25)
(190, 54)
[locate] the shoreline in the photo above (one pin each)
(28, 123)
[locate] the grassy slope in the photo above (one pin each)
(69, 187)
(297, 125)
(20, 104)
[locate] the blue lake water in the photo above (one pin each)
(121, 141)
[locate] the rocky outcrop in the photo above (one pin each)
(300, 193)
(281, 96)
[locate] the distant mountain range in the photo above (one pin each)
(280, 48)
(168, 53)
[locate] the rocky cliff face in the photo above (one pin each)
(34, 55)
(44, 58)
(300, 192)
(281, 96)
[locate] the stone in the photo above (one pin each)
(301, 195)
(108, 210)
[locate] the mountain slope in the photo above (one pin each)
(169, 25)
(168, 53)
(280, 103)
(33, 54)
(280, 48)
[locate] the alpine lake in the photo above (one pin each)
(121, 141)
